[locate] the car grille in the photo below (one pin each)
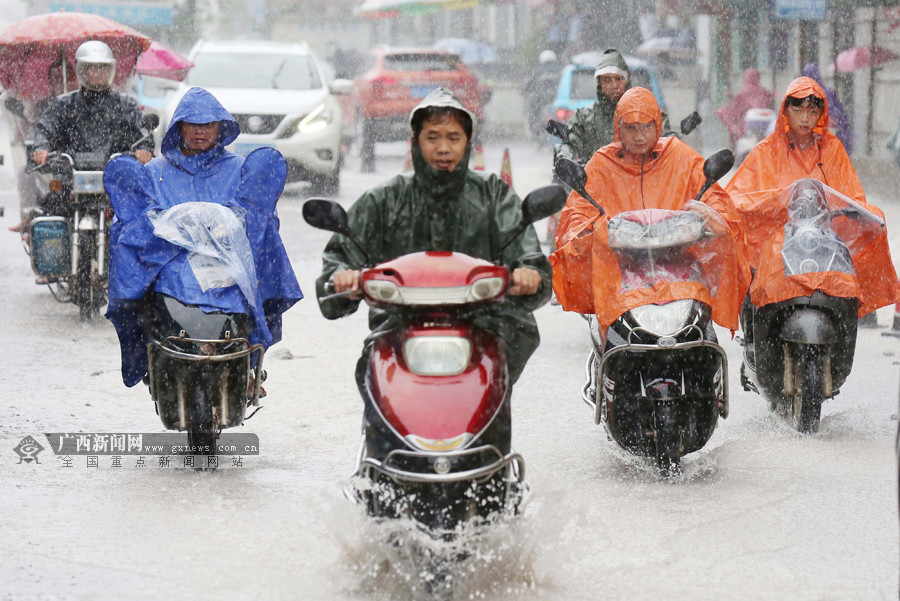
(258, 124)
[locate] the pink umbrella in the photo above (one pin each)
(161, 61)
(863, 57)
(28, 48)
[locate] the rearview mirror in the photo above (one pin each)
(690, 123)
(325, 215)
(558, 129)
(328, 215)
(574, 175)
(542, 203)
(14, 106)
(717, 165)
(539, 204)
(150, 121)
(714, 168)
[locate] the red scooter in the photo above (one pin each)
(436, 429)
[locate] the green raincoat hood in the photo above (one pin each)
(437, 183)
(612, 58)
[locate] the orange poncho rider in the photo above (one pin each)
(803, 147)
(641, 170)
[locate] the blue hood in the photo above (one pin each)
(199, 106)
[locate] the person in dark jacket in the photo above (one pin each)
(443, 205)
(94, 119)
(591, 128)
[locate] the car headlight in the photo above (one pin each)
(665, 319)
(437, 355)
(317, 120)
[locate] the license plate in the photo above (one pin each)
(246, 148)
(420, 91)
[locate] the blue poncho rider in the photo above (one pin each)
(148, 251)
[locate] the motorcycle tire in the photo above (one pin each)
(809, 388)
(668, 455)
(85, 277)
(201, 428)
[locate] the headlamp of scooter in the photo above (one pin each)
(482, 289)
(437, 355)
(485, 289)
(384, 291)
(665, 319)
(439, 445)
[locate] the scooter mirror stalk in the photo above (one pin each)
(715, 167)
(575, 177)
(328, 215)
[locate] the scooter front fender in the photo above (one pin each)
(808, 326)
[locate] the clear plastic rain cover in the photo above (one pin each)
(216, 240)
(824, 229)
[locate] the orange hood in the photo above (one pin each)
(637, 105)
(801, 88)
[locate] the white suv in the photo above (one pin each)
(279, 95)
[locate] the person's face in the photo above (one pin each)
(97, 77)
(802, 119)
(638, 138)
(198, 137)
(611, 85)
(443, 142)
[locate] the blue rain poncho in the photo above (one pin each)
(202, 229)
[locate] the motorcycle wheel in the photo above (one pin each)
(668, 456)
(809, 389)
(201, 429)
(86, 292)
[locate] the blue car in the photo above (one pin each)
(577, 87)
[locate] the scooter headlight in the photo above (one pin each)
(384, 291)
(665, 319)
(484, 289)
(437, 355)
(447, 444)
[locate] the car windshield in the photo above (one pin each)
(283, 72)
(421, 62)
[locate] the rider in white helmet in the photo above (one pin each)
(95, 66)
(93, 120)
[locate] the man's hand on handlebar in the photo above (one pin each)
(40, 156)
(143, 156)
(346, 281)
(525, 281)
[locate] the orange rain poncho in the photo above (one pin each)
(772, 166)
(586, 274)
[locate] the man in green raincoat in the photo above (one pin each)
(591, 128)
(443, 205)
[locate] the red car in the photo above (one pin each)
(394, 81)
